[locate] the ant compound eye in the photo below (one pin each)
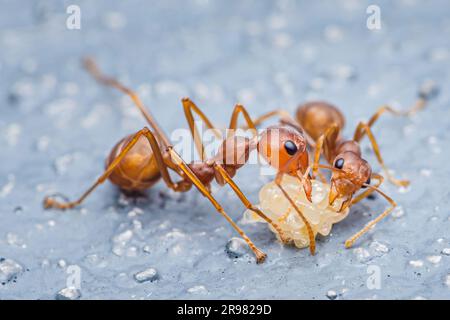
(290, 147)
(339, 163)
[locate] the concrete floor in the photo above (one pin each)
(57, 126)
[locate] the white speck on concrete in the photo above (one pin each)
(114, 20)
(332, 295)
(426, 172)
(69, 293)
(9, 270)
(236, 247)
(150, 274)
(379, 247)
(398, 212)
(333, 33)
(199, 289)
(62, 263)
(362, 254)
(434, 259)
(416, 263)
(12, 133)
(14, 240)
(8, 187)
(447, 280)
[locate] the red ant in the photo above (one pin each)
(139, 160)
(322, 124)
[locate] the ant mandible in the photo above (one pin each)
(139, 160)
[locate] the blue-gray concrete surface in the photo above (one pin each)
(57, 126)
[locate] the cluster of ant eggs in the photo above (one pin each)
(319, 213)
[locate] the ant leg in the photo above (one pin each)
(376, 149)
(312, 239)
(304, 180)
(322, 177)
(285, 215)
(249, 122)
(327, 142)
(282, 114)
(247, 203)
(368, 192)
(285, 118)
(349, 242)
(92, 68)
(234, 118)
(318, 173)
(252, 124)
(189, 107)
(317, 153)
(425, 94)
(260, 256)
(365, 194)
(52, 203)
(359, 133)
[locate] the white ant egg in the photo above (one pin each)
(277, 207)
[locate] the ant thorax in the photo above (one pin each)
(277, 207)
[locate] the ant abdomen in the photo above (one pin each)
(138, 170)
(317, 116)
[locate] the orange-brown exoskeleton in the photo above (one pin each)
(140, 160)
(350, 171)
(322, 124)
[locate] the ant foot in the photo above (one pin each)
(284, 240)
(260, 256)
(349, 243)
(49, 203)
(404, 183)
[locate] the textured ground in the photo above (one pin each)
(57, 126)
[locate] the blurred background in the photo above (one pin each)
(57, 126)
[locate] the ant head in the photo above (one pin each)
(352, 172)
(284, 148)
